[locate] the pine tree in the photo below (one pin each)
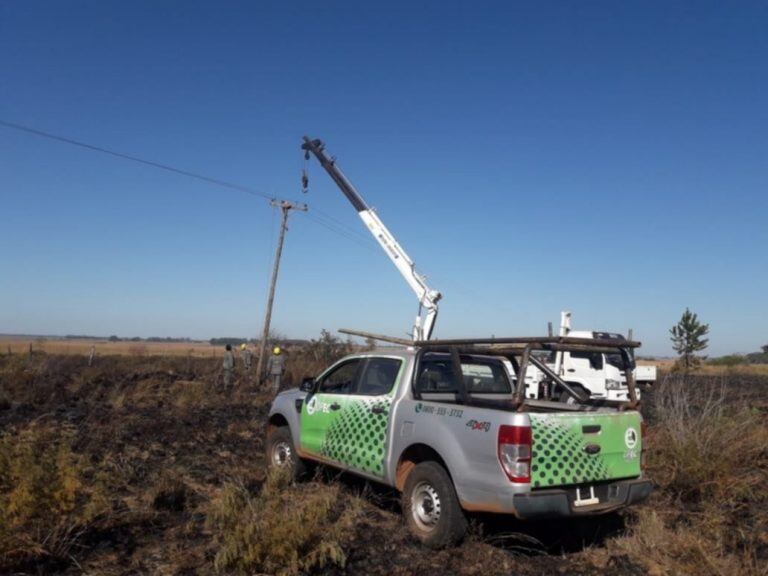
(688, 338)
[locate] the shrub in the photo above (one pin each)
(729, 360)
(44, 504)
(284, 530)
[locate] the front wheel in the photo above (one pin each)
(568, 399)
(280, 453)
(431, 507)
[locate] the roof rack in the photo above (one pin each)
(521, 348)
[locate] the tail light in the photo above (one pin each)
(514, 447)
(643, 444)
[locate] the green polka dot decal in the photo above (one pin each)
(559, 457)
(358, 437)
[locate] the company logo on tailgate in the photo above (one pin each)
(630, 438)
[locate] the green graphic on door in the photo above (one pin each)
(358, 437)
(348, 430)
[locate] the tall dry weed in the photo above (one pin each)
(709, 459)
(44, 503)
(285, 529)
(708, 446)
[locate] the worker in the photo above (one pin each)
(229, 366)
(275, 368)
(246, 355)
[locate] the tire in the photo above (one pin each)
(280, 452)
(567, 398)
(431, 507)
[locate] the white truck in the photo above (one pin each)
(598, 374)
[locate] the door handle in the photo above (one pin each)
(377, 409)
(335, 406)
(571, 369)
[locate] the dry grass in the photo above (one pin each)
(708, 447)
(107, 348)
(118, 468)
(667, 364)
(45, 504)
(709, 458)
(284, 530)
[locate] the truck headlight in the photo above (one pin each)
(611, 384)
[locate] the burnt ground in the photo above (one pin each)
(159, 438)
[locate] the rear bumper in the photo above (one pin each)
(555, 503)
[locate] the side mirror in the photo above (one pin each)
(307, 384)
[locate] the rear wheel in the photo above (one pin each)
(281, 454)
(431, 507)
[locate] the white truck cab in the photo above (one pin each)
(596, 373)
(600, 374)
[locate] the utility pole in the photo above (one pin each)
(286, 207)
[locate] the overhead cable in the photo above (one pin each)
(166, 167)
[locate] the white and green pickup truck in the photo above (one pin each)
(445, 424)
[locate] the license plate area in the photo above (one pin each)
(585, 496)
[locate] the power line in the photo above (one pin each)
(341, 232)
(208, 179)
(346, 227)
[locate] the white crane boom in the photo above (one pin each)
(428, 298)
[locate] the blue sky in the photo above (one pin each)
(609, 158)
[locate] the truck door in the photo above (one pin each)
(585, 368)
(363, 427)
(320, 412)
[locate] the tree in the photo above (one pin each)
(328, 348)
(688, 338)
(764, 349)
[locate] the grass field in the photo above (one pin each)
(204, 349)
(105, 347)
(143, 465)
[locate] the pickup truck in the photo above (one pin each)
(450, 430)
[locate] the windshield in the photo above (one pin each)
(614, 358)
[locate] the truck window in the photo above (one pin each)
(595, 359)
(379, 376)
(615, 360)
(342, 379)
(481, 376)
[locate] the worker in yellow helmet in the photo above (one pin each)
(275, 368)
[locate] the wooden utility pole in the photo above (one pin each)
(286, 207)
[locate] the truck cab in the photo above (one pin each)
(596, 372)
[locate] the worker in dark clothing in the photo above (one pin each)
(229, 366)
(275, 368)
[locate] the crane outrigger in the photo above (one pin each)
(428, 298)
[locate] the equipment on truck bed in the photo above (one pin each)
(428, 298)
